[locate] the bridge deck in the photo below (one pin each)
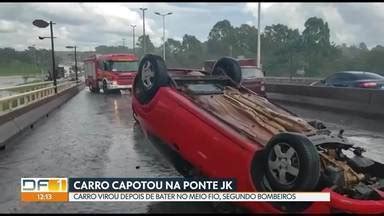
(93, 135)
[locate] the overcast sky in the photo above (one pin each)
(91, 24)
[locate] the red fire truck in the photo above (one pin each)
(110, 72)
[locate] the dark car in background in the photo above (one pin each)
(353, 79)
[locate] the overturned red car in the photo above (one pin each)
(209, 125)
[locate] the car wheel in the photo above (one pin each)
(134, 115)
(291, 163)
(152, 75)
(105, 87)
(228, 66)
(116, 91)
(92, 89)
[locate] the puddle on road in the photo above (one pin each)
(130, 155)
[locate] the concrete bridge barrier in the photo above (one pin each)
(291, 80)
(19, 112)
(362, 101)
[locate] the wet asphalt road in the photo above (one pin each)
(361, 131)
(94, 135)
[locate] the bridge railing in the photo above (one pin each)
(13, 102)
(24, 88)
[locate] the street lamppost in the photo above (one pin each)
(34, 56)
(258, 38)
(74, 47)
(43, 24)
(123, 42)
(133, 38)
(37, 62)
(144, 42)
(163, 15)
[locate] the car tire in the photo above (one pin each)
(93, 90)
(152, 75)
(105, 88)
(134, 115)
(228, 66)
(291, 163)
(115, 91)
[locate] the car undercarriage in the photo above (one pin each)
(353, 176)
(272, 149)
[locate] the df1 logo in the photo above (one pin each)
(44, 185)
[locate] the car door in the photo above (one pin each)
(344, 80)
(330, 80)
(338, 80)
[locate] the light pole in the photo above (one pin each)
(74, 47)
(144, 42)
(133, 38)
(43, 24)
(34, 56)
(258, 37)
(163, 15)
(37, 62)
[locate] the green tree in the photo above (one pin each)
(282, 49)
(245, 43)
(192, 51)
(317, 46)
(316, 33)
(150, 48)
(363, 46)
(173, 52)
(112, 49)
(375, 61)
(173, 46)
(220, 39)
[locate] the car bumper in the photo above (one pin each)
(341, 203)
(117, 86)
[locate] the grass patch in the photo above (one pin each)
(30, 82)
(18, 68)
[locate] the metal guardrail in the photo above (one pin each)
(12, 90)
(26, 88)
(13, 102)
